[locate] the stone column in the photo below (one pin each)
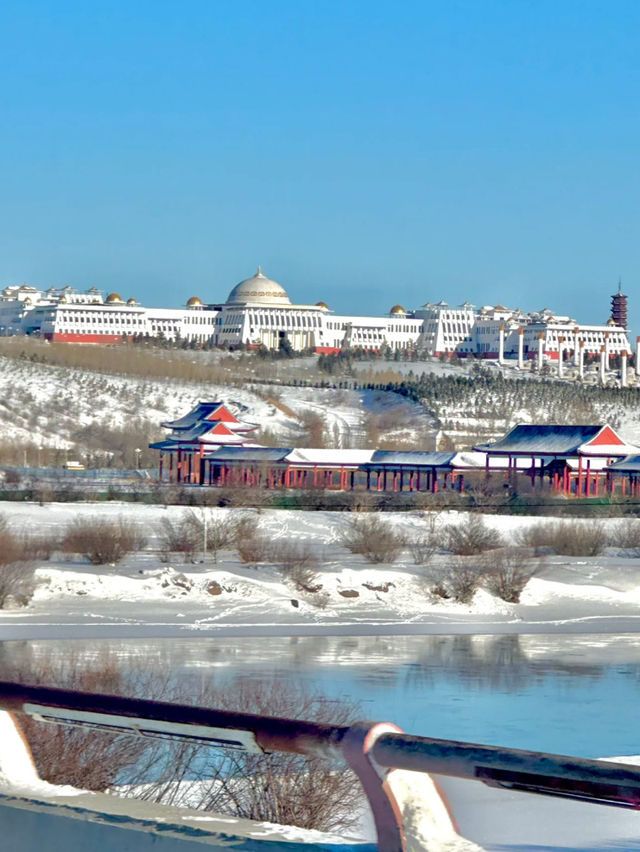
(581, 359)
(576, 346)
(607, 352)
(521, 348)
(501, 345)
(541, 350)
(560, 354)
(623, 368)
(603, 355)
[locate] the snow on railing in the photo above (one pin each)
(383, 757)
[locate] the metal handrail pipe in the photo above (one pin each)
(554, 774)
(535, 772)
(131, 715)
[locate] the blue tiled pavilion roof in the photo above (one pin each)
(249, 454)
(202, 410)
(410, 457)
(542, 439)
(629, 465)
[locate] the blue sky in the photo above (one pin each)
(362, 153)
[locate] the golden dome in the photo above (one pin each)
(322, 305)
(132, 301)
(194, 302)
(113, 299)
(397, 309)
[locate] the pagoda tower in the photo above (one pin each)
(619, 307)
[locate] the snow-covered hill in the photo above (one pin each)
(50, 406)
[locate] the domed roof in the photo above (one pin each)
(322, 305)
(113, 298)
(260, 289)
(194, 302)
(397, 309)
(132, 301)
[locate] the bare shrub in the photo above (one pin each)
(177, 537)
(17, 583)
(246, 526)
(102, 541)
(508, 570)
(462, 579)
(275, 787)
(458, 579)
(566, 538)
(196, 528)
(373, 538)
(625, 535)
(298, 563)
(426, 543)
(10, 546)
(70, 754)
(285, 789)
(36, 547)
(254, 549)
(471, 536)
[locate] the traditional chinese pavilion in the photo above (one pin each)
(575, 458)
(207, 426)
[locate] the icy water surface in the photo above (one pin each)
(574, 694)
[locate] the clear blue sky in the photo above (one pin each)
(363, 153)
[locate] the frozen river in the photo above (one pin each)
(576, 694)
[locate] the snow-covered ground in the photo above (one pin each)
(154, 595)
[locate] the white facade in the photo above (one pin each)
(259, 312)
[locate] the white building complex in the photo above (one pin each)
(259, 312)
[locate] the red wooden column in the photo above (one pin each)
(200, 465)
(588, 474)
(160, 465)
(170, 467)
(179, 467)
(579, 489)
